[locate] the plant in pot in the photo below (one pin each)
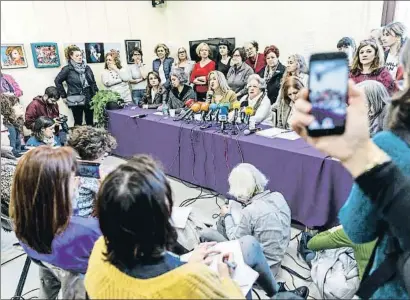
(99, 104)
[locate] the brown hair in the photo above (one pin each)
(290, 82)
(69, 50)
(149, 86)
(115, 58)
(40, 202)
(162, 46)
(7, 103)
(378, 61)
(271, 48)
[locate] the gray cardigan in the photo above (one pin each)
(177, 100)
(238, 78)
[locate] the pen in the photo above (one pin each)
(231, 265)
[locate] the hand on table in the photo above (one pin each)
(203, 253)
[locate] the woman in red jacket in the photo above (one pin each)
(201, 70)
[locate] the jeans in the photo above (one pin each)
(137, 95)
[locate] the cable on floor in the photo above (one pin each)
(13, 258)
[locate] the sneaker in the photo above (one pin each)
(302, 291)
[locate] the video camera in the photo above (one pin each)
(62, 119)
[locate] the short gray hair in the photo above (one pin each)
(245, 181)
(180, 74)
(261, 81)
(377, 97)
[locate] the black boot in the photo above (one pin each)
(302, 291)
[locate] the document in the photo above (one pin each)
(291, 136)
(271, 132)
(180, 216)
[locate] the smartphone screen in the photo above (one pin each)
(328, 80)
(88, 169)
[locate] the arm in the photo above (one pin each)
(31, 116)
(108, 80)
(93, 83)
(124, 74)
(235, 231)
(58, 81)
(330, 239)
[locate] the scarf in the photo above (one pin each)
(268, 75)
(48, 141)
(257, 100)
(80, 69)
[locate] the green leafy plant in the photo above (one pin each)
(99, 102)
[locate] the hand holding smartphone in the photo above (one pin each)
(88, 169)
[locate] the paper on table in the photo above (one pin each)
(180, 216)
(291, 136)
(271, 132)
(158, 113)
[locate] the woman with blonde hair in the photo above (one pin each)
(201, 71)
(115, 77)
(297, 67)
(163, 64)
(219, 88)
(368, 64)
(183, 62)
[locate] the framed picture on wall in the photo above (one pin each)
(94, 53)
(129, 45)
(13, 56)
(45, 55)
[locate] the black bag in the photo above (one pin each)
(75, 100)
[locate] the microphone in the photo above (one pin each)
(138, 116)
(236, 106)
(194, 109)
(242, 113)
(187, 109)
(250, 131)
(204, 110)
(209, 96)
(248, 114)
(223, 116)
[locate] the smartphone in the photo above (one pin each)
(88, 169)
(328, 81)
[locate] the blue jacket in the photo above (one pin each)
(361, 221)
(34, 142)
(167, 69)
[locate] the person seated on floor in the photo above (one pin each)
(91, 144)
(44, 184)
(282, 109)
(155, 94)
(265, 215)
(137, 196)
(219, 89)
(257, 99)
(43, 133)
(13, 112)
(180, 91)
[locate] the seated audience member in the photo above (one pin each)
(393, 38)
(272, 72)
(239, 73)
(183, 62)
(9, 86)
(155, 94)
(255, 60)
(376, 34)
(138, 74)
(221, 92)
(180, 91)
(43, 133)
(265, 215)
(43, 185)
(282, 109)
(13, 112)
(115, 77)
(201, 71)
(224, 60)
(163, 64)
(377, 98)
(257, 99)
(348, 46)
(136, 196)
(91, 144)
(368, 64)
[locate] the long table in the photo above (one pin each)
(315, 186)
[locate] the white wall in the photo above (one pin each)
(293, 26)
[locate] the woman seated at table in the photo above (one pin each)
(43, 133)
(282, 109)
(255, 60)
(257, 99)
(155, 93)
(219, 88)
(116, 77)
(239, 73)
(163, 64)
(183, 62)
(180, 91)
(201, 70)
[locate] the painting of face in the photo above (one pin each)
(94, 52)
(367, 55)
(13, 56)
(45, 55)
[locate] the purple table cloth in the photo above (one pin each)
(314, 186)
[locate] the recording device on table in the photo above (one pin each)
(223, 115)
(186, 112)
(328, 88)
(88, 169)
(62, 119)
(138, 116)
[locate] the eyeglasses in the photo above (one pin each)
(236, 55)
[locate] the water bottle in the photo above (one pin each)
(165, 109)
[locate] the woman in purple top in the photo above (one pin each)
(41, 209)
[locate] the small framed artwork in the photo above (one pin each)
(129, 45)
(13, 56)
(45, 55)
(94, 53)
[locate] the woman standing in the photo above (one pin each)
(180, 91)
(201, 70)
(239, 73)
(272, 72)
(183, 62)
(255, 60)
(43, 133)
(138, 75)
(368, 64)
(163, 64)
(224, 61)
(115, 77)
(155, 93)
(81, 85)
(221, 92)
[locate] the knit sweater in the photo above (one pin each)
(337, 238)
(190, 281)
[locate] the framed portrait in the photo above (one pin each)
(129, 45)
(94, 53)
(213, 44)
(13, 56)
(79, 45)
(45, 55)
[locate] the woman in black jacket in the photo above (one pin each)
(272, 72)
(81, 85)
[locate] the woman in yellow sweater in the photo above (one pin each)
(219, 88)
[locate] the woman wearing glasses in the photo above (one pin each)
(183, 62)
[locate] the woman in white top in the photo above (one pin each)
(257, 99)
(115, 77)
(138, 75)
(183, 62)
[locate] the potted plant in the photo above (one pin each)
(99, 103)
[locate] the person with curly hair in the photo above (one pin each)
(91, 144)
